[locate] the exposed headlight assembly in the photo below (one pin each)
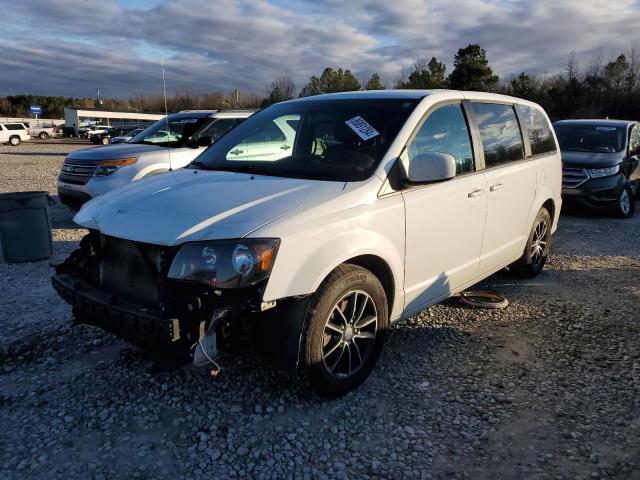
(108, 167)
(603, 172)
(225, 263)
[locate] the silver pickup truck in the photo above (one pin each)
(42, 132)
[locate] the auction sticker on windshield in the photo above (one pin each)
(362, 128)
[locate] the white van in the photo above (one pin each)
(170, 143)
(374, 206)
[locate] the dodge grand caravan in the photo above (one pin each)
(170, 143)
(378, 205)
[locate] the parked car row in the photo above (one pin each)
(114, 135)
(18, 132)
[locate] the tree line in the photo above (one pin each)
(604, 88)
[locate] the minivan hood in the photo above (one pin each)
(590, 159)
(191, 205)
(112, 152)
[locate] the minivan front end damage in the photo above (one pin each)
(185, 303)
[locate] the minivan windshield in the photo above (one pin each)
(170, 132)
(321, 139)
(590, 138)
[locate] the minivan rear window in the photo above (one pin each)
(500, 133)
(538, 129)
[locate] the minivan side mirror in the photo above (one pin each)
(428, 167)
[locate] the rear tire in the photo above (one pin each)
(43, 135)
(14, 140)
(535, 253)
(346, 325)
(625, 204)
(105, 140)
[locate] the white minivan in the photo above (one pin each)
(373, 206)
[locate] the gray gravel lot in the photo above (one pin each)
(547, 388)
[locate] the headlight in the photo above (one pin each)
(110, 166)
(603, 172)
(225, 263)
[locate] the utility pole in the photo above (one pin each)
(98, 101)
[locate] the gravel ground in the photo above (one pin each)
(547, 388)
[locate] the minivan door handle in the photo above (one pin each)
(476, 193)
(495, 187)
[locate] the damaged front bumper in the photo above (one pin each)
(123, 288)
(141, 326)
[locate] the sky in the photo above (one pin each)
(72, 47)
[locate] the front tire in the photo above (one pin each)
(345, 330)
(15, 141)
(625, 204)
(105, 140)
(532, 261)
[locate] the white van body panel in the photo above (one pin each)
(320, 237)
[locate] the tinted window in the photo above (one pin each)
(538, 128)
(446, 131)
(218, 128)
(634, 140)
(14, 126)
(501, 139)
(171, 131)
(590, 138)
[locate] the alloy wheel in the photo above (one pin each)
(539, 242)
(349, 334)
(624, 202)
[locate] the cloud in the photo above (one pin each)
(70, 47)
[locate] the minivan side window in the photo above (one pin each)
(500, 133)
(14, 126)
(445, 131)
(538, 129)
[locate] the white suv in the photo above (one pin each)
(373, 207)
(14, 133)
(168, 144)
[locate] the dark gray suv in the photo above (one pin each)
(600, 164)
